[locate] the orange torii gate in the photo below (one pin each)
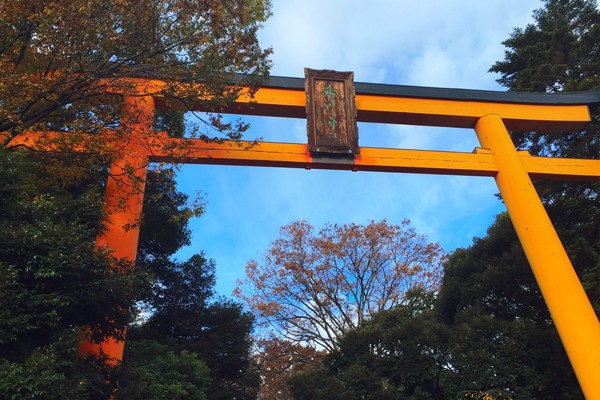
(489, 113)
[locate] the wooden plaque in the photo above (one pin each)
(331, 112)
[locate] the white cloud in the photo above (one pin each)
(383, 40)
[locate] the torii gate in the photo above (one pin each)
(489, 113)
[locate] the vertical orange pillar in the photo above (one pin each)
(569, 306)
(124, 198)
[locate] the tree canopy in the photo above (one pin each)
(58, 58)
(312, 288)
(400, 353)
(53, 279)
(557, 53)
(65, 67)
(184, 320)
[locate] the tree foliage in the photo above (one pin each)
(59, 57)
(63, 67)
(560, 52)
(183, 316)
(312, 288)
(53, 280)
(280, 360)
(557, 53)
(503, 336)
(400, 353)
(502, 333)
(154, 372)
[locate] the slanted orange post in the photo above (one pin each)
(123, 199)
(569, 306)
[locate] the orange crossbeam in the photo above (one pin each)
(160, 148)
(419, 111)
(291, 155)
(401, 109)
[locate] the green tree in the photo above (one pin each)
(155, 372)
(560, 53)
(183, 313)
(57, 60)
(53, 280)
(502, 336)
(186, 317)
(400, 353)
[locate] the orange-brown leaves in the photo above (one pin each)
(313, 287)
(279, 360)
(56, 57)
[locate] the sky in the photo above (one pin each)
(440, 43)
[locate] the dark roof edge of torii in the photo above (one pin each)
(379, 89)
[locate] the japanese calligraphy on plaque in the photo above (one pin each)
(331, 112)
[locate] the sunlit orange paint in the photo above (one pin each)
(292, 155)
(569, 306)
(286, 102)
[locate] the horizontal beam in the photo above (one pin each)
(161, 148)
(456, 108)
(290, 155)
(280, 102)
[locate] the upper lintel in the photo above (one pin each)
(429, 106)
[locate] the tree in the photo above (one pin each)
(65, 66)
(280, 360)
(155, 372)
(183, 316)
(558, 53)
(53, 280)
(401, 353)
(313, 288)
(58, 58)
(502, 336)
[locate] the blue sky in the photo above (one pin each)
(443, 43)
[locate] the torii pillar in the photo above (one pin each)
(123, 201)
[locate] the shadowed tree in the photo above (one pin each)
(400, 353)
(502, 336)
(279, 360)
(53, 280)
(559, 52)
(61, 69)
(183, 316)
